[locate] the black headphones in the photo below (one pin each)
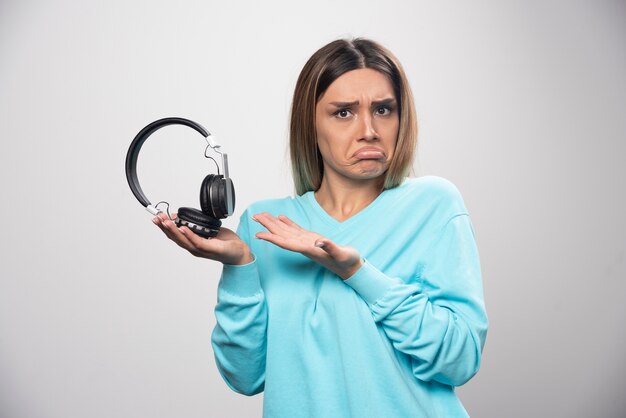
(217, 193)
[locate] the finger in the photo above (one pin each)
(169, 234)
(159, 222)
(341, 255)
(272, 224)
(161, 217)
(200, 243)
(164, 216)
(168, 229)
(330, 248)
(273, 238)
(289, 222)
(193, 247)
(174, 233)
(288, 227)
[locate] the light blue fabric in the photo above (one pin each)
(391, 341)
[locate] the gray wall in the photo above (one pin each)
(521, 104)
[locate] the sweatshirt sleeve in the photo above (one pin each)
(441, 322)
(239, 338)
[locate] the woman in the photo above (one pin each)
(362, 295)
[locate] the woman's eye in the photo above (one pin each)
(383, 110)
(343, 113)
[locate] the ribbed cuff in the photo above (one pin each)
(370, 283)
(241, 280)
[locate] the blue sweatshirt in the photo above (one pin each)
(393, 340)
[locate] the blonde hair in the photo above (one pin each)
(325, 66)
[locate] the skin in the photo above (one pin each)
(357, 127)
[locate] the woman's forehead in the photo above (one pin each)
(358, 84)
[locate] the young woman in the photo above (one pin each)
(362, 295)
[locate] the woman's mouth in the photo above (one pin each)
(369, 153)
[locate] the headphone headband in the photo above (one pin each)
(135, 147)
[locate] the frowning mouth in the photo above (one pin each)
(369, 153)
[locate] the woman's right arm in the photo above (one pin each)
(239, 337)
(226, 247)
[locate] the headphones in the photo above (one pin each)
(217, 193)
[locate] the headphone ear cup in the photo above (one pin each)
(229, 198)
(198, 222)
(205, 194)
(213, 196)
(218, 198)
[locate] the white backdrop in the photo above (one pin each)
(521, 104)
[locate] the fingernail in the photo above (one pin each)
(182, 231)
(156, 222)
(320, 244)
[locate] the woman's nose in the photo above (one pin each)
(367, 130)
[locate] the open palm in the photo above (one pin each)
(283, 232)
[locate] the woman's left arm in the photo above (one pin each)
(441, 323)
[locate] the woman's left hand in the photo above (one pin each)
(283, 232)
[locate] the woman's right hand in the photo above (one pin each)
(226, 247)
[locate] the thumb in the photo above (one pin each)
(332, 249)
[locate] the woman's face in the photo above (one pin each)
(357, 125)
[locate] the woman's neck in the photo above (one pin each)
(343, 198)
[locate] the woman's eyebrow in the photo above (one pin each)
(345, 104)
(386, 101)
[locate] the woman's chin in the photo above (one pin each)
(368, 174)
(370, 169)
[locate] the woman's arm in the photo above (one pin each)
(239, 337)
(226, 247)
(440, 324)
